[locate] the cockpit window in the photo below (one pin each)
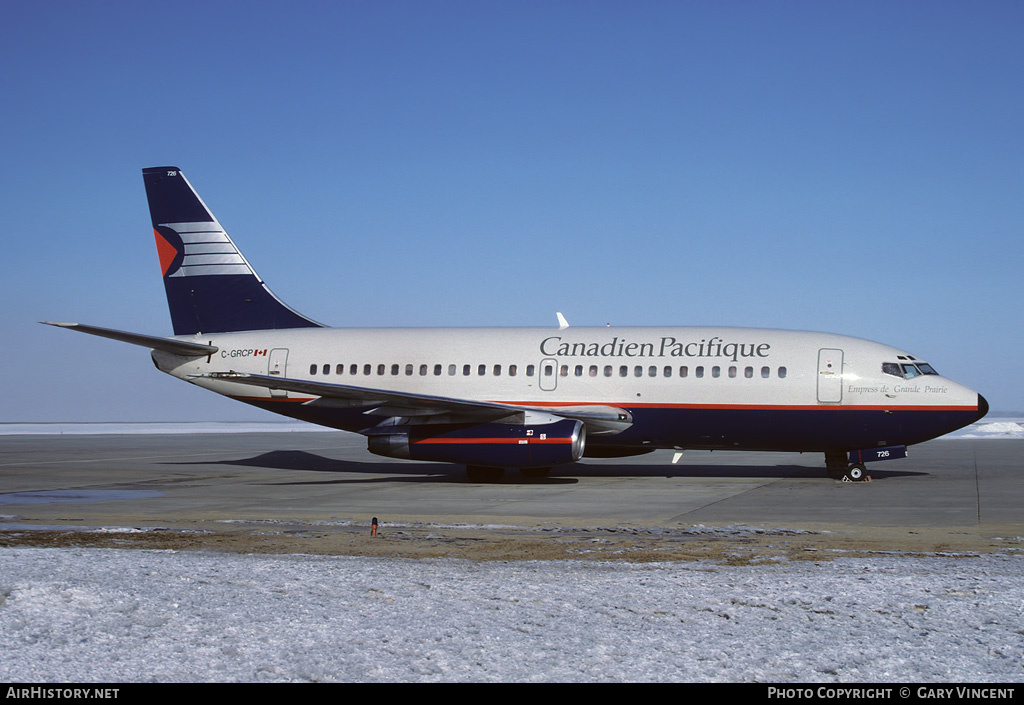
(907, 370)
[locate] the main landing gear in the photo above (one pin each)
(482, 474)
(839, 468)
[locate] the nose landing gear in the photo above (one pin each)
(839, 468)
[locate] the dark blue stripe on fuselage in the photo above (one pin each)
(828, 428)
(806, 430)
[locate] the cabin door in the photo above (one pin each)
(830, 376)
(277, 366)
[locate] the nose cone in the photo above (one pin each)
(982, 408)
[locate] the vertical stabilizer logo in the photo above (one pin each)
(196, 250)
(169, 249)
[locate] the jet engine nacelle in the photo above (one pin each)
(490, 445)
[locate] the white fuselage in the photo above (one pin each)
(655, 373)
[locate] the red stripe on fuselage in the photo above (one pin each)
(554, 405)
(492, 441)
(746, 407)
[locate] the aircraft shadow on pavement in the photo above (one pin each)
(412, 471)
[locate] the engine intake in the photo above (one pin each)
(493, 445)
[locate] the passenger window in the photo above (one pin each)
(684, 371)
(451, 370)
(394, 368)
(593, 371)
(579, 370)
(327, 369)
(732, 372)
(748, 372)
(652, 371)
(437, 370)
(481, 370)
(312, 369)
(367, 369)
(716, 371)
(607, 370)
(564, 371)
(512, 370)
(638, 371)
(423, 370)
(380, 369)
(353, 369)
(548, 370)
(623, 371)
(699, 372)
(667, 371)
(339, 369)
(766, 372)
(466, 369)
(497, 370)
(782, 373)
(529, 370)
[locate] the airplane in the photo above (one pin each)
(530, 398)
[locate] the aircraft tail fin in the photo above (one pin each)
(211, 288)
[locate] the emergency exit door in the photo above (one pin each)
(548, 374)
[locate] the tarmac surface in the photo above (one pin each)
(318, 493)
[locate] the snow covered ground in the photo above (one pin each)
(130, 616)
(81, 615)
(992, 427)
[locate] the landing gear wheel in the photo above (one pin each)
(480, 473)
(836, 465)
(855, 473)
(535, 472)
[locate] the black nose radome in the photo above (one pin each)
(982, 407)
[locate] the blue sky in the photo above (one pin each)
(849, 167)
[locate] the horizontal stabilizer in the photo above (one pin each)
(153, 342)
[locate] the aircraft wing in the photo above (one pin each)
(599, 419)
